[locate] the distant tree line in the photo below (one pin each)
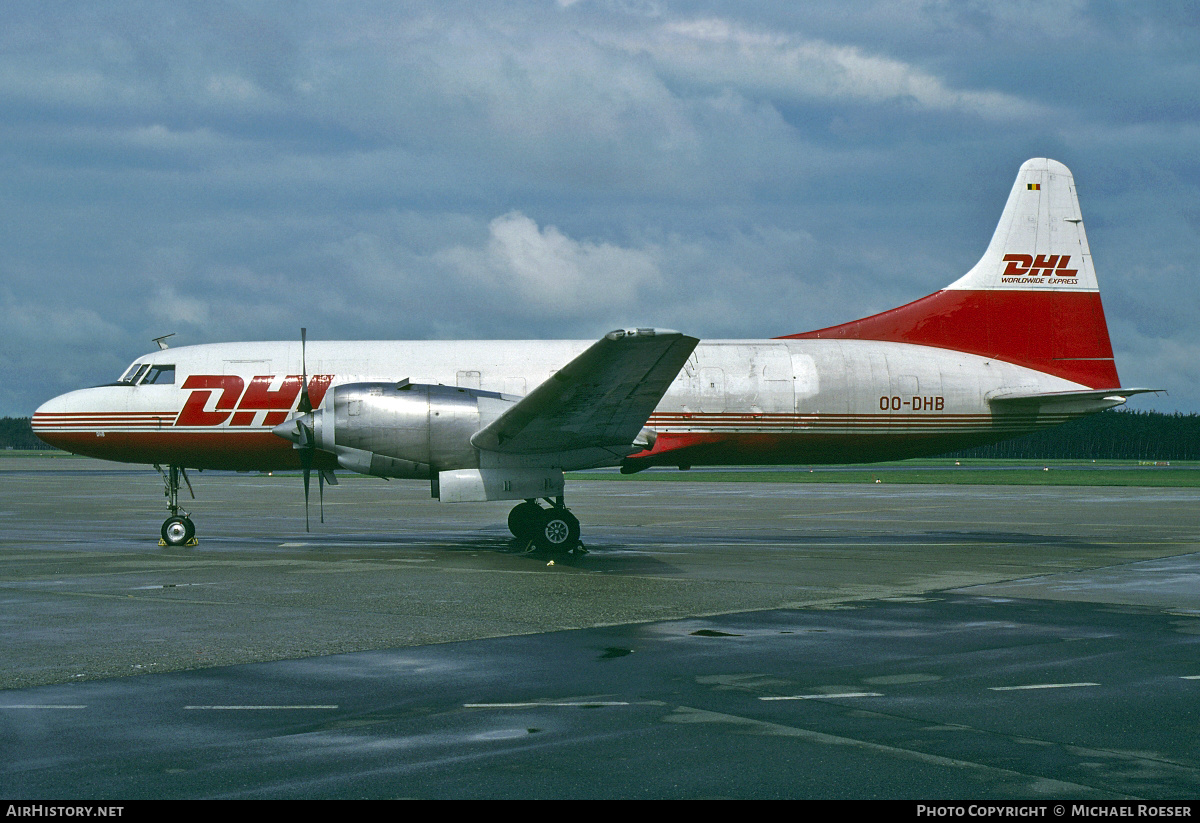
(1110, 435)
(16, 434)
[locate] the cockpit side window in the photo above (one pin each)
(160, 374)
(134, 373)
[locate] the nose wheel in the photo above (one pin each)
(553, 529)
(178, 531)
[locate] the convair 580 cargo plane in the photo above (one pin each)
(1017, 343)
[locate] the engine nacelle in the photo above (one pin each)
(404, 429)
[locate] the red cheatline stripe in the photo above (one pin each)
(104, 418)
(164, 431)
(808, 418)
(104, 413)
(861, 418)
(869, 415)
(106, 424)
(853, 420)
(119, 420)
(65, 419)
(882, 425)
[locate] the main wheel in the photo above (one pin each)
(558, 530)
(177, 531)
(523, 520)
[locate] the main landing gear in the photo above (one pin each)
(178, 529)
(552, 529)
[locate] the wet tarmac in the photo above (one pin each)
(718, 640)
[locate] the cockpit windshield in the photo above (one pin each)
(161, 374)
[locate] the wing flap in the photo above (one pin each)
(602, 398)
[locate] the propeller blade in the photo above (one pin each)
(321, 492)
(305, 405)
(306, 461)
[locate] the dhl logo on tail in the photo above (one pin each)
(1044, 265)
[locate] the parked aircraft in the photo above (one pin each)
(1016, 344)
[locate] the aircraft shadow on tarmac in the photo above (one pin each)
(645, 553)
(633, 557)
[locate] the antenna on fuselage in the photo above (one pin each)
(162, 341)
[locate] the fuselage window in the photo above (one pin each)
(162, 375)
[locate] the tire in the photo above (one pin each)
(177, 531)
(523, 520)
(558, 531)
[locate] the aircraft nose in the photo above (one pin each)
(50, 418)
(79, 421)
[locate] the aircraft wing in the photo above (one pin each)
(601, 398)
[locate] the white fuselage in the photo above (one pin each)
(734, 401)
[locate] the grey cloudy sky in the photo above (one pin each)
(233, 171)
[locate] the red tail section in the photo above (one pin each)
(1031, 300)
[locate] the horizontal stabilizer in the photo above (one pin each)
(1084, 401)
(602, 398)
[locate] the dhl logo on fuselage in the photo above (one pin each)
(239, 404)
(1026, 268)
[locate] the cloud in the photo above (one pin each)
(174, 310)
(36, 325)
(1172, 364)
(722, 53)
(532, 270)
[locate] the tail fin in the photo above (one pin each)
(1031, 300)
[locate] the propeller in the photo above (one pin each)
(299, 430)
(306, 444)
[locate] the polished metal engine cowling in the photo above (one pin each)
(404, 429)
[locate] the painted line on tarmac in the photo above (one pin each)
(1040, 686)
(586, 704)
(824, 696)
(253, 708)
(40, 706)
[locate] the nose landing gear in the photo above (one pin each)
(178, 529)
(552, 529)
